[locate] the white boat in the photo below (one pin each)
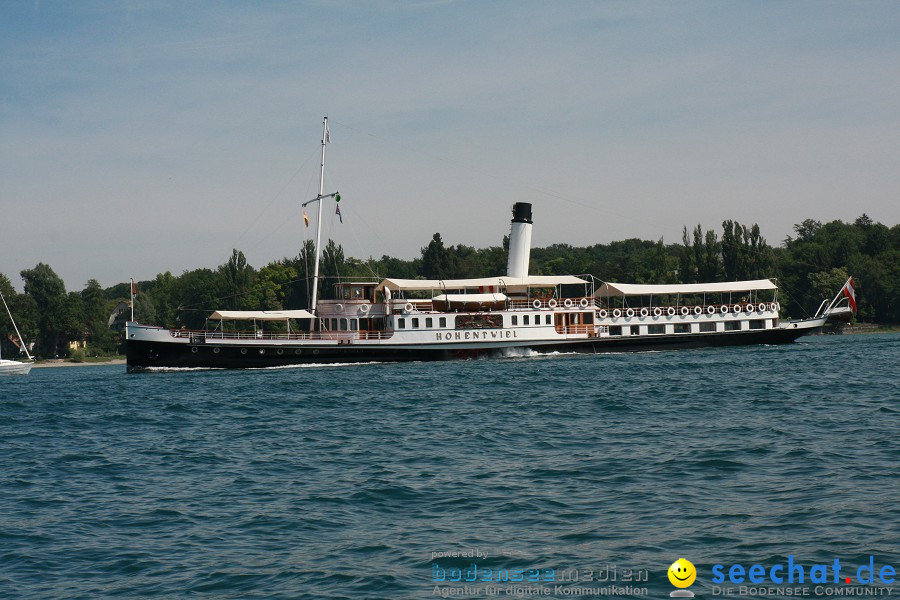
(416, 319)
(15, 367)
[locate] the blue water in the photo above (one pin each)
(341, 481)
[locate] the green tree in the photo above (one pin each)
(686, 264)
(437, 261)
(272, 286)
(240, 276)
(96, 309)
(198, 293)
(48, 291)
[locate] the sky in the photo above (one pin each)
(144, 137)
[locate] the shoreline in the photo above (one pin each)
(867, 328)
(62, 362)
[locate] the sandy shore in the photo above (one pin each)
(61, 362)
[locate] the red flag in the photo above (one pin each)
(850, 293)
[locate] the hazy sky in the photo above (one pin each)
(139, 137)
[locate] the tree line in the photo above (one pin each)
(811, 265)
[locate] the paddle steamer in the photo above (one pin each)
(420, 320)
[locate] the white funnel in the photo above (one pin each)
(519, 241)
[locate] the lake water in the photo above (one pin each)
(345, 481)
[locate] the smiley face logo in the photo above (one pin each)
(682, 573)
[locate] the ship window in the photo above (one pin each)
(635, 330)
(757, 324)
(401, 323)
(537, 319)
(353, 326)
(356, 292)
(442, 322)
(732, 325)
(415, 322)
(547, 320)
(615, 330)
(682, 327)
(515, 319)
(343, 324)
(334, 324)
(656, 329)
(429, 323)
(707, 327)
(525, 320)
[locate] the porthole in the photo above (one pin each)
(194, 349)
(262, 350)
(280, 351)
(316, 351)
(298, 351)
(216, 350)
(243, 351)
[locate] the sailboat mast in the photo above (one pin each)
(21, 341)
(315, 292)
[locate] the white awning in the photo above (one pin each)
(633, 289)
(485, 282)
(480, 298)
(261, 315)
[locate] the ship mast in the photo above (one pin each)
(326, 138)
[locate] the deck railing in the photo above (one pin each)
(746, 309)
(582, 302)
(202, 336)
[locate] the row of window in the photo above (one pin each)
(687, 327)
(416, 322)
(537, 319)
(342, 324)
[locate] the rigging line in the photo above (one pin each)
(366, 262)
(531, 187)
(793, 299)
(534, 188)
(274, 198)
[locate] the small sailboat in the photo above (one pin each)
(15, 367)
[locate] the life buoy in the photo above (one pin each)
(671, 311)
(364, 308)
(568, 303)
(736, 308)
(602, 313)
(409, 307)
(536, 304)
(552, 302)
(644, 312)
(339, 307)
(724, 309)
(711, 310)
(750, 308)
(629, 313)
(657, 311)
(617, 312)
(698, 310)
(583, 303)
(773, 306)
(685, 311)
